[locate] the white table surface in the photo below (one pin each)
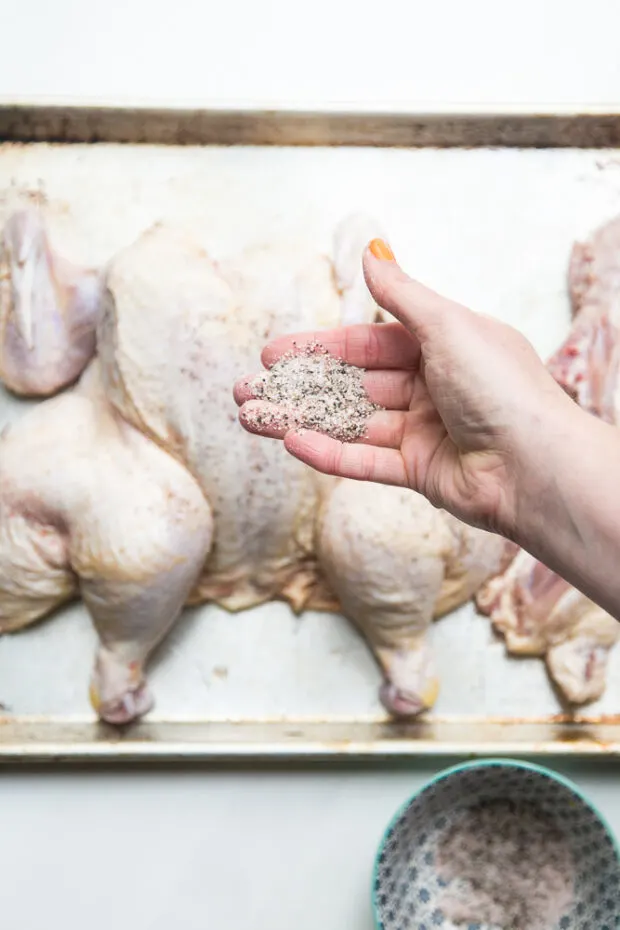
(196, 849)
(186, 850)
(399, 53)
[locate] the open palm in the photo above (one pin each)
(460, 394)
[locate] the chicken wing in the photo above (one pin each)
(48, 308)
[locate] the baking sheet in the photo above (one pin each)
(490, 227)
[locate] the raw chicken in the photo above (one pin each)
(48, 307)
(90, 507)
(395, 563)
(538, 612)
(142, 492)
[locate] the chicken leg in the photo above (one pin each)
(395, 563)
(89, 505)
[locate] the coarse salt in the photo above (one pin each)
(314, 390)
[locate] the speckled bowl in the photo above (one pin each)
(407, 890)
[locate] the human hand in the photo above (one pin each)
(467, 401)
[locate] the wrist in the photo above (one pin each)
(568, 508)
(545, 456)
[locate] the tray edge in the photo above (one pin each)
(68, 123)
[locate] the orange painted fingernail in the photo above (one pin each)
(381, 250)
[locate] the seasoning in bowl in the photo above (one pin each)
(507, 864)
(497, 845)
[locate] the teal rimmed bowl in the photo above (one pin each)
(407, 890)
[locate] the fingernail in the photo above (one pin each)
(381, 250)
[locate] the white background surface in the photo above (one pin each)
(167, 849)
(200, 850)
(368, 52)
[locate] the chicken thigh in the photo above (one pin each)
(395, 563)
(537, 611)
(48, 307)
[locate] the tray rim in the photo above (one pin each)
(135, 123)
(65, 740)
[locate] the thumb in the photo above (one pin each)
(417, 307)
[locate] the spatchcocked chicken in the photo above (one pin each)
(538, 612)
(138, 490)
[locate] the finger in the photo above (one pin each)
(372, 345)
(264, 419)
(358, 461)
(390, 427)
(385, 428)
(242, 390)
(417, 307)
(390, 389)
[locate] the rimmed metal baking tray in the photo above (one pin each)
(485, 206)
